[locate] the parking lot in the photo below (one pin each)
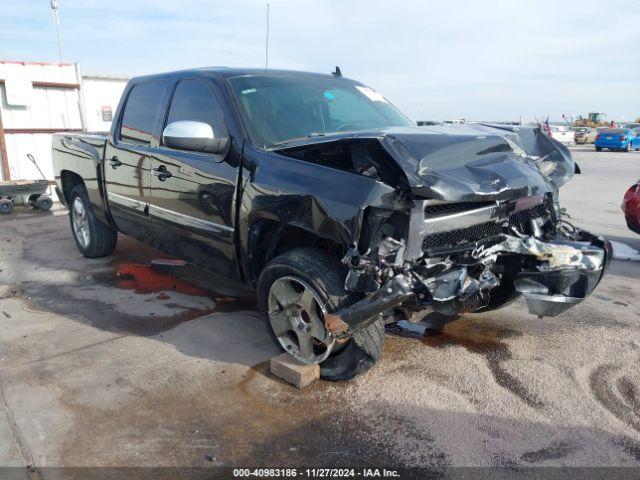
(112, 363)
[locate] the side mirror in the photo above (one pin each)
(194, 137)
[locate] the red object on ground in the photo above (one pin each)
(145, 279)
(631, 207)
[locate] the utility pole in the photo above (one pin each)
(266, 43)
(54, 7)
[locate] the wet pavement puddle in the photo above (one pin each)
(162, 297)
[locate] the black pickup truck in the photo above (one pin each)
(318, 193)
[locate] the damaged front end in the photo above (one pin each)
(472, 235)
(474, 260)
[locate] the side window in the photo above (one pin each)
(140, 113)
(193, 100)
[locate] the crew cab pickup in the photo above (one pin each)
(319, 194)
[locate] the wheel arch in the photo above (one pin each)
(68, 180)
(270, 238)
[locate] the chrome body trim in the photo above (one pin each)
(169, 215)
(127, 202)
(188, 221)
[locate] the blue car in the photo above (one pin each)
(618, 139)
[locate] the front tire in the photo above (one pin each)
(598, 149)
(294, 291)
(93, 237)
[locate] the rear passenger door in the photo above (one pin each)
(127, 159)
(192, 193)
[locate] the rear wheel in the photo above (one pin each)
(93, 237)
(295, 291)
(598, 149)
(6, 206)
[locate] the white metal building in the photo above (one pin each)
(101, 94)
(38, 99)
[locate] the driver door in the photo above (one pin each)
(192, 193)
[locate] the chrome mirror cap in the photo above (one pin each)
(193, 136)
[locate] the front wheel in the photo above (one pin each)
(93, 237)
(295, 291)
(598, 149)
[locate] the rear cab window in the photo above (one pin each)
(141, 112)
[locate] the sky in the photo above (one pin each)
(479, 60)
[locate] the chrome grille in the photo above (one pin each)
(450, 208)
(520, 220)
(454, 239)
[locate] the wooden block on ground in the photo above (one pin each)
(294, 372)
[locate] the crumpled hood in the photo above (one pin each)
(471, 162)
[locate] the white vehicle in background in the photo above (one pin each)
(562, 134)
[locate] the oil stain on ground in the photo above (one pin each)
(554, 451)
(476, 337)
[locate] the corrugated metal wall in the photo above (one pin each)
(37, 99)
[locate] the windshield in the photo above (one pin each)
(280, 109)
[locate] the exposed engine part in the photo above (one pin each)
(456, 290)
(364, 274)
(364, 312)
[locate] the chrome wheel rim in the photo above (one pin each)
(80, 223)
(296, 315)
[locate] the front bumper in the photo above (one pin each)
(551, 291)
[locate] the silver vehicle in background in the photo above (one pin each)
(584, 135)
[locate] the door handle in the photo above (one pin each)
(162, 173)
(114, 162)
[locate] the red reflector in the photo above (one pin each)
(624, 138)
